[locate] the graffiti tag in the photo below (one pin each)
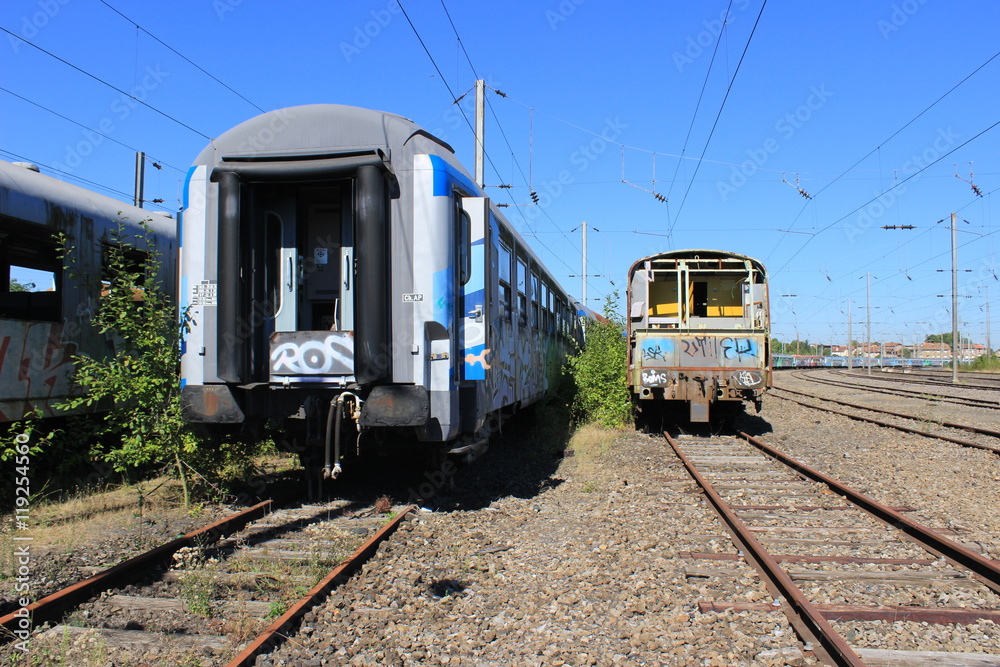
(654, 352)
(332, 355)
(737, 348)
(654, 378)
(747, 379)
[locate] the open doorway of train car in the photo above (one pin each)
(300, 251)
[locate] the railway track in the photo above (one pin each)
(833, 560)
(988, 439)
(938, 379)
(232, 590)
(859, 382)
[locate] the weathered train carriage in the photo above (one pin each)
(334, 255)
(698, 331)
(43, 326)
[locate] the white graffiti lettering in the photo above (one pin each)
(335, 354)
(654, 378)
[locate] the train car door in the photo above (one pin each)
(314, 323)
(473, 343)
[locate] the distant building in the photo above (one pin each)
(932, 351)
(893, 349)
(973, 352)
(838, 350)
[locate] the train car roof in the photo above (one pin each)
(29, 196)
(702, 253)
(321, 129)
(312, 129)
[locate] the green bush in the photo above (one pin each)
(598, 372)
(984, 363)
(138, 381)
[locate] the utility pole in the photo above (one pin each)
(480, 130)
(868, 328)
(850, 346)
(989, 350)
(954, 300)
(583, 273)
(140, 177)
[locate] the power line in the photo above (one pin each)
(453, 98)
(701, 95)
(77, 178)
(673, 223)
(113, 87)
(89, 129)
(506, 140)
(882, 194)
(893, 135)
(181, 55)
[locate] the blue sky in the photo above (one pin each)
(819, 101)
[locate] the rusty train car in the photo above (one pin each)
(698, 332)
(45, 309)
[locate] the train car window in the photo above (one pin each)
(272, 263)
(522, 286)
(546, 318)
(32, 280)
(32, 294)
(535, 291)
(725, 296)
(663, 296)
(128, 267)
(463, 237)
(503, 260)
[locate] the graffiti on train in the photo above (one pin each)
(690, 350)
(306, 353)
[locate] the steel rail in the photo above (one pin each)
(907, 393)
(52, 607)
(939, 422)
(277, 632)
(803, 613)
(899, 427)
(943, 382)
(987, 571)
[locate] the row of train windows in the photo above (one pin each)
(32, 279)
(538, 305)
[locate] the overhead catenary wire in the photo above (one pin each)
(183, 57)
(107, 188)
(701, 95)
(464, 116)
(891, 137)
(109, 85)
(90, 129)
(715, 124)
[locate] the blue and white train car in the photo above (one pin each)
(341, 267)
